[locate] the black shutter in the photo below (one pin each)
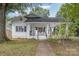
(24, 28)
(17, 28)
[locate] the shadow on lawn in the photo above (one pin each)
(65, 47)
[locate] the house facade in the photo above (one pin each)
(33, 26)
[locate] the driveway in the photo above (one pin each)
(44, 49)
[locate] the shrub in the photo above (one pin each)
(52, 40)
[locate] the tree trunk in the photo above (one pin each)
(2, 21)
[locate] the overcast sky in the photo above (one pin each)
(53, 8)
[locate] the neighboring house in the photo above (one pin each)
(33, 26)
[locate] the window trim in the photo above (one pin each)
(21, 28)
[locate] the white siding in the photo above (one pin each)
(18, 34)
(28, 25)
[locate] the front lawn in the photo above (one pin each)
(65, 48)
(18, 47)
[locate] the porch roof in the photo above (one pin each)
(51, 19)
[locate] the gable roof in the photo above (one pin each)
(32, 15)
(35, 18)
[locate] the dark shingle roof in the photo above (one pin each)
(32, 16)
(52, 19)
(35, 18)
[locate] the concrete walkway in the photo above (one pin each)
(44, 49)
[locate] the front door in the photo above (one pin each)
(41, 33)
(41, 30)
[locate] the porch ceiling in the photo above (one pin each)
(39, 25)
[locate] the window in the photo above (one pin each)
(20, 28)
(40, 29)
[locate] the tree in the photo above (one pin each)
(21, 7)
(2, 21)
(40, 11)
(70, 11)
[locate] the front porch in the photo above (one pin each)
(38, 31)
(46, 30)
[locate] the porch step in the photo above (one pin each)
(42, 38)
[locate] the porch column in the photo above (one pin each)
(66, 30)
(47, 30)
(28, 31)
(59, 33)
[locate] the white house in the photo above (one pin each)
(33, 26)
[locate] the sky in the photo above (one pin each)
(53, 8)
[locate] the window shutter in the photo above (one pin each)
(24, 28)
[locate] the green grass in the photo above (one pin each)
(52, 40)
(18, 48)
(65, 48)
